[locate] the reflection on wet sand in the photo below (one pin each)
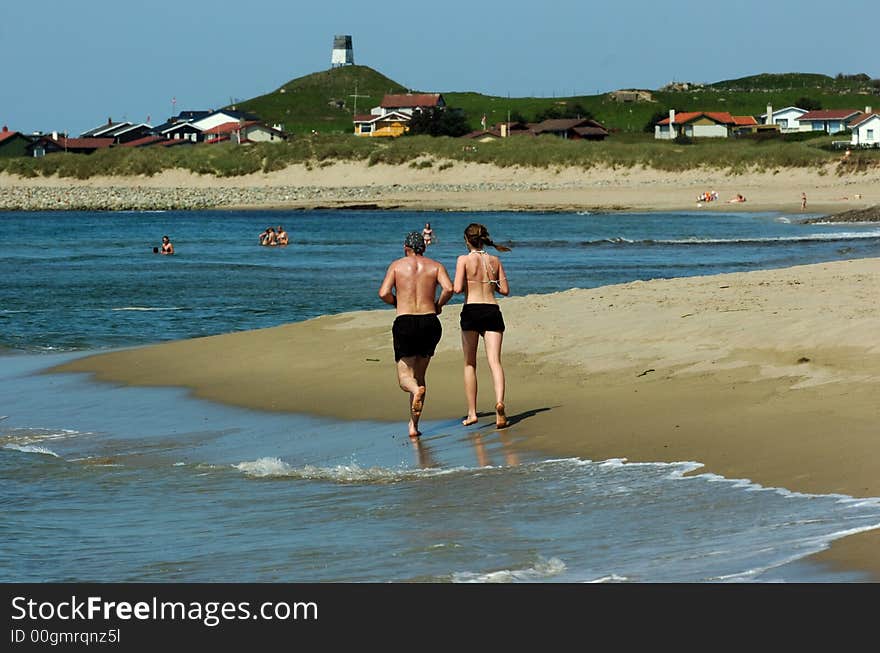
(425, 458)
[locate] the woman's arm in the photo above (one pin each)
(460, 283)
(501, 286)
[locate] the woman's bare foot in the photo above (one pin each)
(500, 416)
(470, 419)
(413, 431)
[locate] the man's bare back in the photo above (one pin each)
(415, 280)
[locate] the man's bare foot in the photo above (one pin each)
(418, 402)
(500, 416)
(467, 421)
(414, 433)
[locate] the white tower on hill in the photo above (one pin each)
(343, 54)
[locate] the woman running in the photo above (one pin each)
(479, 275)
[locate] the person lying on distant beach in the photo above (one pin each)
(410, 285)
(738, 198)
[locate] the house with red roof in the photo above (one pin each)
(393, 114)
(13, 143)
(830, 121)
(243, 131)
(49, 144)
(865, 129)
(701, 124)
(409, 103)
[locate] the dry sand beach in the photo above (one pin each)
(461, 187)
(769, 375)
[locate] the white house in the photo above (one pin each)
(788, 118)
(221, 117)
(865, 129)
(250, 131)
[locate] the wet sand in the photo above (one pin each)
(769, 375)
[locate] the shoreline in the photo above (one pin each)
(461, 187)
(785, 397)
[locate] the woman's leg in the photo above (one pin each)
(469, 342)
(493, 354)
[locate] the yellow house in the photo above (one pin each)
(393, 124)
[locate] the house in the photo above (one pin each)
(102, 131)
(695, 124)
(391, 124)
(409, 103)
(180, 131)
(499, 131)
(56, 143)
(702, 124)
(144, 141)
(865, 129)
(830, 121)
(128, 133)
(13, 143)
(216, 118)
(788, 118)
(571, 129)
(250, 131)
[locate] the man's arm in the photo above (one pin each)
(385, 289)
(446, 287)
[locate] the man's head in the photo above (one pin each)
(415, 242)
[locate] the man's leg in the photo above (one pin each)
(410, 376)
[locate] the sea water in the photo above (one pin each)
(109, 483)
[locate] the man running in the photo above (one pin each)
(410, 286)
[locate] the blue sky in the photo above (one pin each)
(69, 66)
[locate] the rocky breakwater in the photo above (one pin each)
(870, 214)
(149, 198)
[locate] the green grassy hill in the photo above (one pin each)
(325, 101)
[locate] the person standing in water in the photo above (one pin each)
(428, 234)
(479, 275)
(167, 247)
(410, 285)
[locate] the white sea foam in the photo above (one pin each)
(543, 568)
(31, 448)
(838, 235)
(273, 467)
(27, 436)
(612, 578)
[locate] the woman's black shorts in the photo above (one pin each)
(481, 318)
